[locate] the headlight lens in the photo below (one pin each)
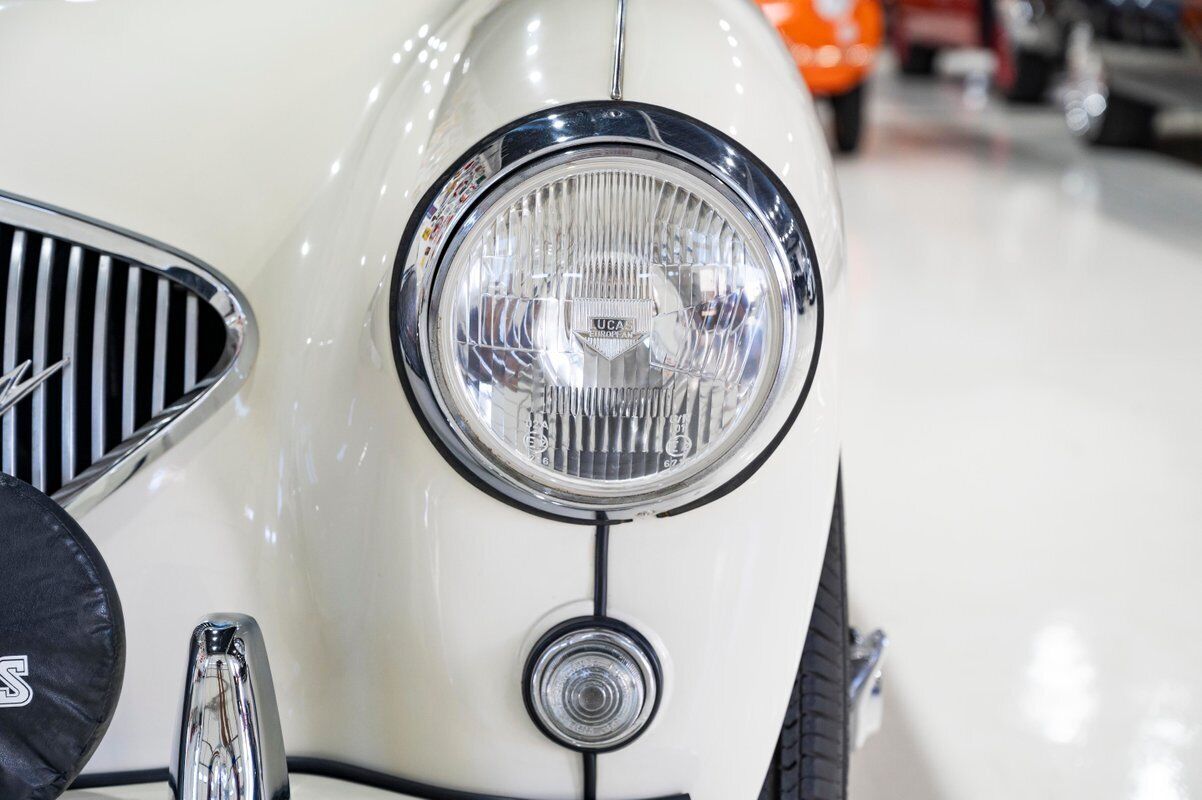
(608, 325)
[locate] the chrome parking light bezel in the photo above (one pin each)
(610, 632)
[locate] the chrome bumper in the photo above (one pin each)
(867, 699)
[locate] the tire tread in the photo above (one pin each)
(810, 761)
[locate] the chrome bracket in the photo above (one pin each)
(230, 746)
(866, 697)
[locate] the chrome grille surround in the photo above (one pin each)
(102, 465)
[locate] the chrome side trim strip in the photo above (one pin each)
(41, 332)
(230, 745)
(615, 87)
(115, 467)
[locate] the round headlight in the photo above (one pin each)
(606, 327)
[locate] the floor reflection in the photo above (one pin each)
(1022, 451)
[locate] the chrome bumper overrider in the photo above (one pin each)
(867, 700)
(230, 743)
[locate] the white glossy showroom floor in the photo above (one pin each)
(1023, 457)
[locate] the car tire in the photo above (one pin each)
(1124, 123)
(810, 761)
(1029, 77)
(916, 59)
(1093, 110)
(849, 118)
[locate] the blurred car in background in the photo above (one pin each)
(1024, 35)
(1128, 60)
(834, 43)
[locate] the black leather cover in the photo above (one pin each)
(59, 610)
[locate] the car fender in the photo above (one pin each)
(397, 600)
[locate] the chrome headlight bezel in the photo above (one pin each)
(455, 200)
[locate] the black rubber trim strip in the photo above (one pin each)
(590, 776)
(601, 571)
(600, 609)
(323, 767)
(134, 777)
(396, 324)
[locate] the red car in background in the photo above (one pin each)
(1025, 38)
(834, 43)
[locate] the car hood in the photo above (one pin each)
(209, 126)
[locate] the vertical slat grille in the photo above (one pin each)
(124, 344)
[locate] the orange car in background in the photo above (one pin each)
(834, 43)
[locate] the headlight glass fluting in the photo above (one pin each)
(608, 325)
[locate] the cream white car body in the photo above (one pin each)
(286, 144)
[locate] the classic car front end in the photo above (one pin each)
(484, 352)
